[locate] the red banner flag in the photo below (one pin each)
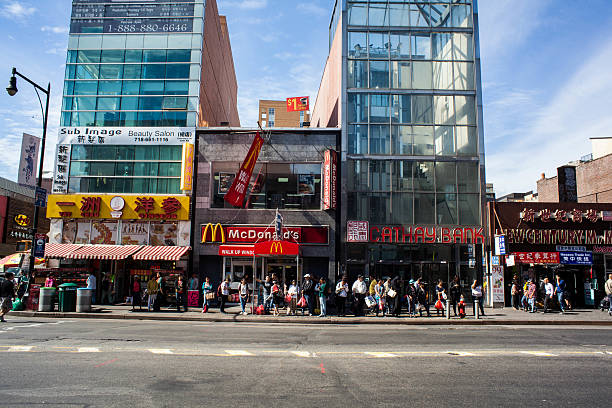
(237, 192)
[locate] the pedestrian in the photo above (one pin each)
(243, 292)
(531, 296)
(194, 283)
(161, 293)
(105, 286)
(372, 289)
(224, 288)
(266, 286)
(560, 292)
(440, 297)
(524, 300)
(206, 290)
(455, 293)
(91, 285)
(411, 298)
(321, 289)
(136, 294)
(50, 281)
(7, 294)
(380, 296)
(359, 292)
(292, 297)
(515, 294)
(608, 288)
(152, 290)
(342, 291)
(394, 294)
(277, 295)
(549, 291)
(179, 289)
(308, 292)
(477, 297)
(423, 301)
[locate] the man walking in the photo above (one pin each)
(225, 291)
(308, 292)
(359, 291)
(152, 289)
(7, 294)
(560, 292)
(608, 288)
(549, 290)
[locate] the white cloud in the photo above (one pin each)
(54, 30)
(313, 9)
(245, 4)
(559, 131)
(16, 9)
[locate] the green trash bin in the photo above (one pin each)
(67, 297)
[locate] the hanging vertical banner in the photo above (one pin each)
(28, 163)
(187, 167)
(237, 192)
(330, 179)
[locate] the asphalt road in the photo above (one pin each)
(114, 363)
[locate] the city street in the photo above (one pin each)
(82, 362)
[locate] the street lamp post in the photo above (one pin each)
(12, 91)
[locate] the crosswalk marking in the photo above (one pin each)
(539, 353)
(20, 348)
(88, 350)
(239, 353)
(378, 354)
(301, 353)
(161, 351)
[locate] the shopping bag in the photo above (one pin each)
(370, 301)
(288, 299)
(302, 302)
(439, 305)
(392, 293)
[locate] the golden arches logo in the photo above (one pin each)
(214, 230)
(276, 248)
(22, 220)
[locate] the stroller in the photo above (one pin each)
(604, 305)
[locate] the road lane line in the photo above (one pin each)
(20, 348)
(161, 351)
(88, 350)
(238, 353)
(460, 353)
(540, 353)
(301, 353)
(379, 354)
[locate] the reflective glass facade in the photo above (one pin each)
(413, 143)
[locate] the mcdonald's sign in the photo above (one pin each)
(276, 248)
(217, 234)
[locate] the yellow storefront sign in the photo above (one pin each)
(121, 207)
(187, 167)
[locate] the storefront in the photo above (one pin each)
(120, 236)
(573, 240)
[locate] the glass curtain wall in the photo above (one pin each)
(412, 137)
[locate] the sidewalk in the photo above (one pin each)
(505, 316)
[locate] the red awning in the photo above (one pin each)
(161, 253)
(276, 248)
(60, 250)
(111, 252)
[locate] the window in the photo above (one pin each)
(358, 74)
(379, 74)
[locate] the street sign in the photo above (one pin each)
(495, 260)
(40, 199)
(39, 245)
(500, 245)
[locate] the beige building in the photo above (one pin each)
(274, 114)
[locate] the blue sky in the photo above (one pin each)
(545, 63)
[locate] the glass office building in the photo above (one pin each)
(412, 141)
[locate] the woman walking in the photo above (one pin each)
(515, 293)
(275, 297)
(243, 290)
(321, 289)
(440, 297)
(206, 289)
(379, 295)
(292, 295)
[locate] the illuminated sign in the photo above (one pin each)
(330, 179)
(276, 248)
(22, 220)
(214, 230)
(241, 234)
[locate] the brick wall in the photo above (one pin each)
(548, 190)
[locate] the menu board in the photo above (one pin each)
(143, 17)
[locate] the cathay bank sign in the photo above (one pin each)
(125, 135)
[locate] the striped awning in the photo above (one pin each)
(60, 250)
(161, 253)
(110, 252)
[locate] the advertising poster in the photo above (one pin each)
(104, 233)
(163, 234)
(136, 233)
(306, 184)
(497, 277)
(225, 182)
(76, 232)
(28, 162)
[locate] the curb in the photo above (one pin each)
(326, 321)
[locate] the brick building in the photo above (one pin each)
(274, 114)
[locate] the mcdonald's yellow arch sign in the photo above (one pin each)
(276, 248)
(213, 233)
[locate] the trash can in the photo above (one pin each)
(45, 299)
(67, 297)
(83, 300)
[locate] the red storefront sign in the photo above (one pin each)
(237, 192)
(236, 250)
(239, 234)
(426, 235)
(330, 180)
(277, 248)
(537, 257)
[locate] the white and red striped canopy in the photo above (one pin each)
(110, 252)
(60, 250)
(161, 253)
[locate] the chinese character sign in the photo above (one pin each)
(60, 174)
(28, 163)
(187, 167)
(576, 258)
(537, 257)
(357, 231)
(237, 192)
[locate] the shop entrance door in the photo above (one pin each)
(285, 270)
(431, 273)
